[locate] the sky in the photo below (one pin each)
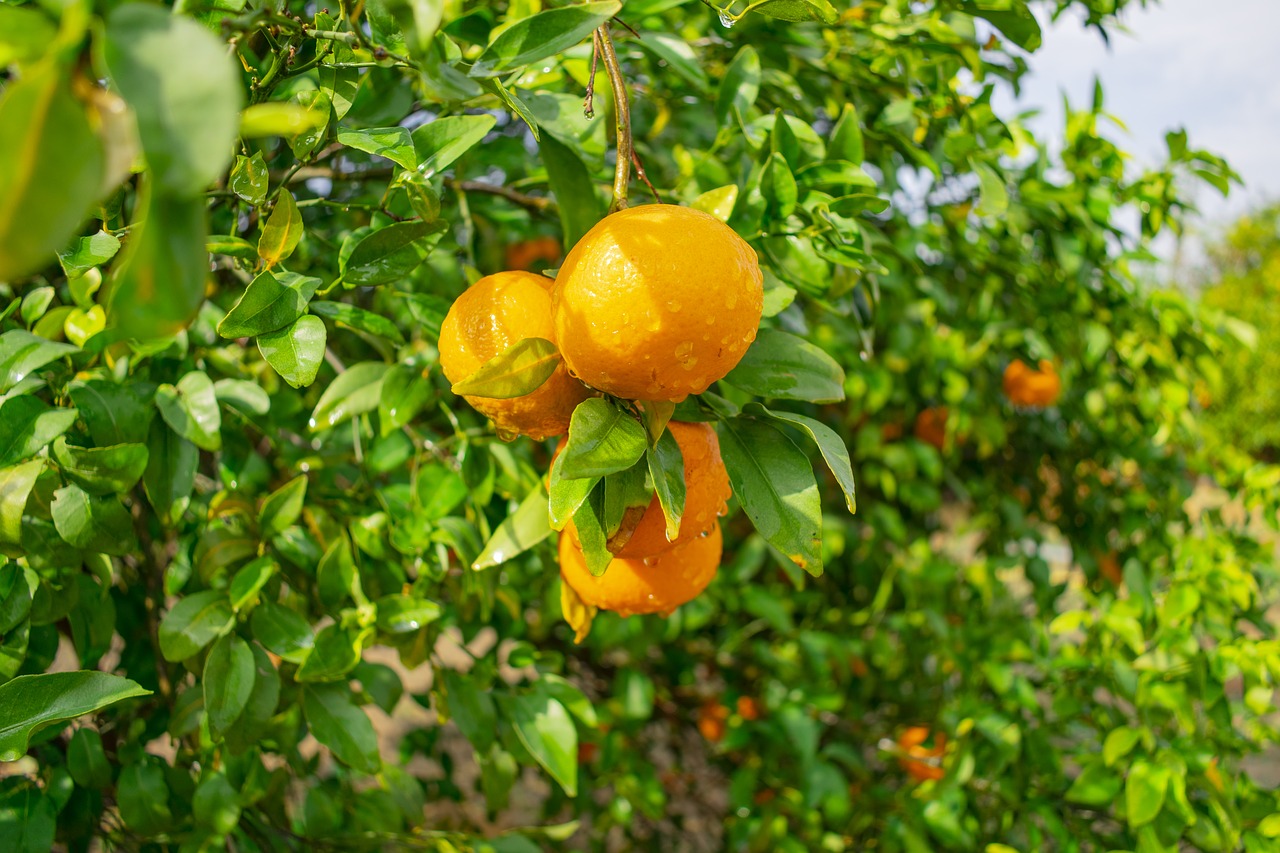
(1210, 66)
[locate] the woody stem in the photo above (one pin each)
(622, 113)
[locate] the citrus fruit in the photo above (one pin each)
(653, 585)
(922, 762)
(931, 426)
(711, 721)
(706, 492)
(657, 302)
(536, 254)
(485, 320)
(1026, 386)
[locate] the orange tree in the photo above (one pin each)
(251, 530)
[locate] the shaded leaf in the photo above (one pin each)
(29, 703)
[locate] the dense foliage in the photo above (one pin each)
(312, 596)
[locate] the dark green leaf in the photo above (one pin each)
(846, 138)
(282, 507)
(1018, 22)
(341, 726)
(228, 681)
(359, 319)
(545, 728)
(267, 304)
(336, 652)
(101, 470)
(390, 254)
(87, 760)
(577, 202)
(783, 366)
(542, 35)
(282, 631)
(92, 523)
(194, 622)
(27, 426)
(336, 577)
(740, 87)
(402, 614)
(29, 703)
(774, 482)
(602, 439)
(666, 470)
(171, 472)
(406, 390)
(440, 142)
(829, 444)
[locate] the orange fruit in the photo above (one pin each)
(485, 320)
(931, 426)
(653, 585)
(706, 493)
(1026, 386)
(922, 762)
(748, 708)
(657, 302)
(711, 721)
(1109, 567)
(536, 254)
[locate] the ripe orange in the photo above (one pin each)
(1109, 567)
(706, 492)
(711, 721)
(657, 302)
(535, 254)
(931, 426)
(1026, 386)
(748, 708)
(653, 585)
(922, 762)
(486, 319)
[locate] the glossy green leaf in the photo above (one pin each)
(92, 523)
(358, 319)
(336, 652)
(542, 35)
(390, 254)
(87, 760)
(27, 426)
(143, 798)
(565, 494)
(796, 11)
(782, 366)
(1144, 792)
(85, 253)
(248, 179)
(393, 143)
(193, 623)
(282, 507)
(602, 439)
(170, 474)
(22, 354)
(518, 370)
(828, 442)
(339, 724)
(249, 581)
(296, 351)
(354, 392)
(402, 614)
(774, 482)
(16, 483)
(578, 204)
(545, 728)
(718, 202)
(264, 698)
(101, 470)
(228, 681)
(54, 168)
(282, 631)
(249, 397)
(183, 88)
(337, 578)
(280, 235)
(518, 532)
(440, 142)
(680, 57)
(32, 702)
(740, 87)
(191, 409)
(406, 391)
(666, 470)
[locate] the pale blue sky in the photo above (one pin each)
(1211, 66)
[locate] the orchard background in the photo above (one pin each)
(268, 584)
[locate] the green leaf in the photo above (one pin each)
(518, 532)
(280, 235)
(406, 390)
(718, 202)
(440, 142)
(829, 444)
(160, 279)
(1095, 786)
(518, 370)
(577, 202)
(15, 486)
(393, 143)
(403, 614)
(282, 507)
(1119, 743)
(340, 725)
(545, 728)
(542, 35)
(276, 118)
(85, 253)
(36, 302)
(87, 760)
(336, 577)
(679, 56)
(566, 495)
(171, 472)
(296, 351)
(336, 652)
(266, 305)
(846, 138)
(783, 366)
(602, 439)
(390, 254)
(216, 804)
(25, 34)
(740, 87)
(1144, 792)
(191, 409)
(184, 90)
(282, 631)
(90, 523)
(796, 11)
(29, 703)
(774, 482)
(228, 681)
(27, 426)
(101, 470)
(249, 178)
(590, 523)
(54, 166)
(250, 580)
(249, 397)
(193, 623)
(355, 391)
(22, 354)
(778, 186)
(666, 470)
(471, 707)
(358, 319)
(261, 706)
(1017, 23)
(143, 798)
(994, 198)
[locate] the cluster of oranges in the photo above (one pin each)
(653, 304)
(1026, 386)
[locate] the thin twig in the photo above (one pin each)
(622, 114)
(537, 204)
(635, 159)
(589, 102)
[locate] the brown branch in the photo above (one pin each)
(622, 115)
(635, 159)
(536, 204)
(589, 102)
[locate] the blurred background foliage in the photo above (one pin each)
(1047, 627)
